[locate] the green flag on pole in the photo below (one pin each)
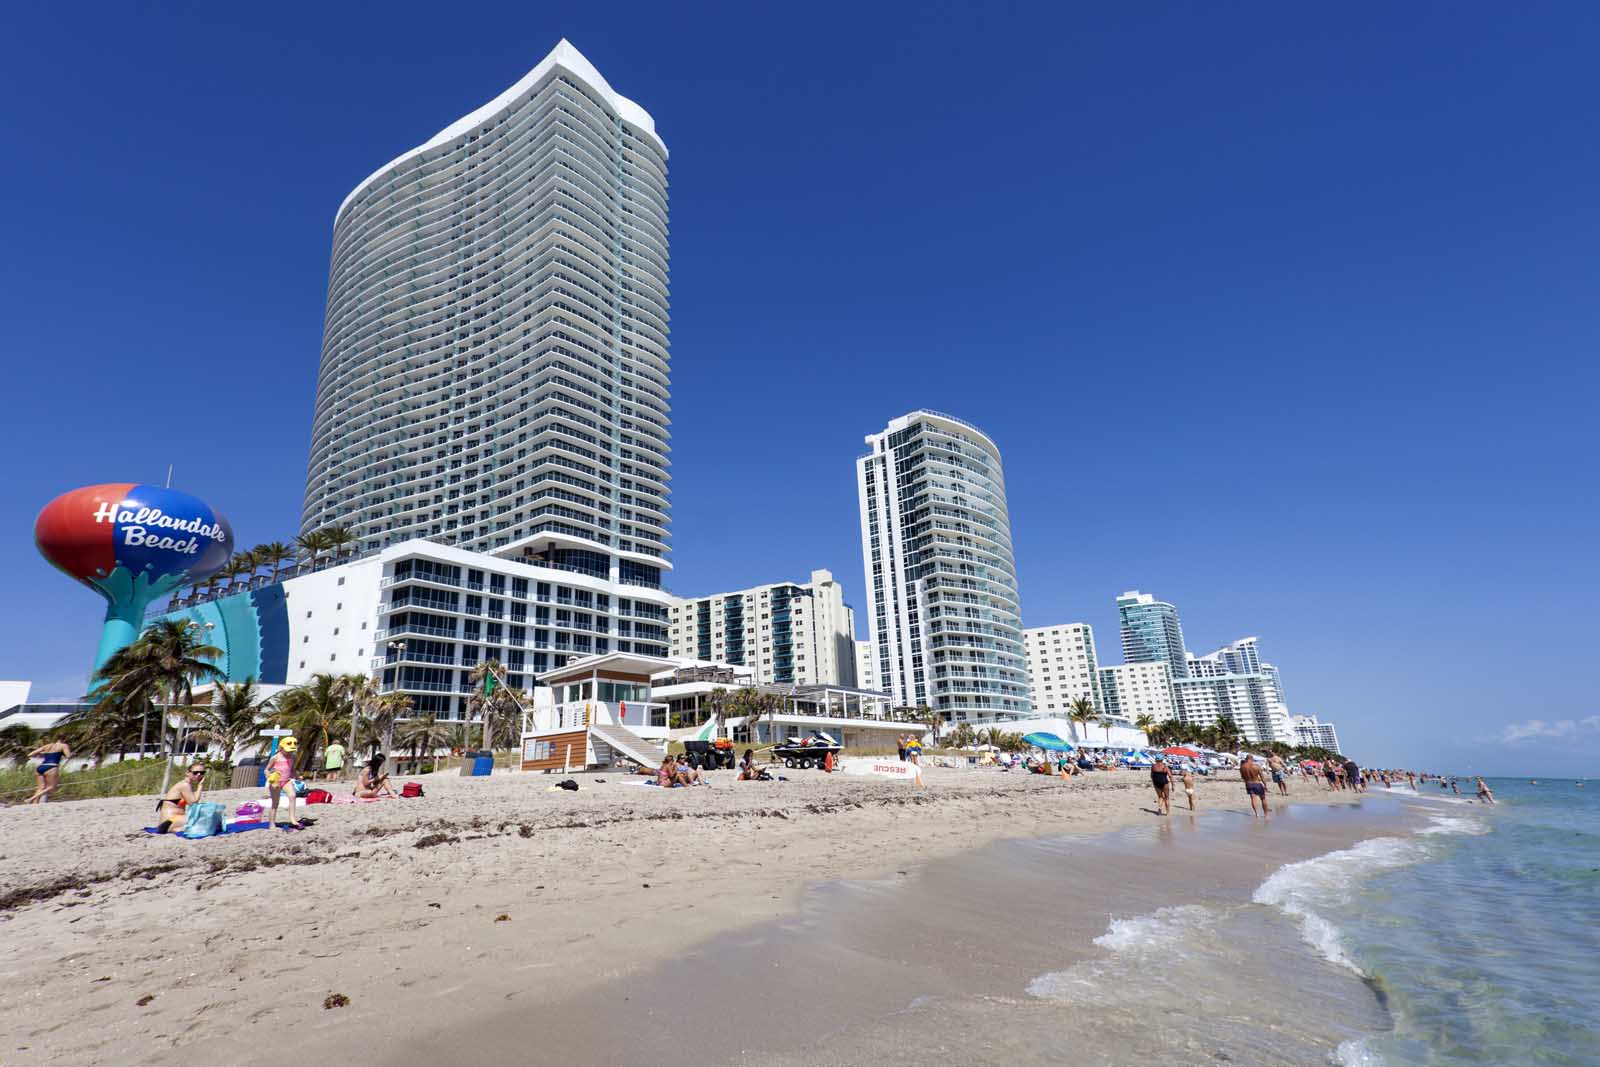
(488, 682)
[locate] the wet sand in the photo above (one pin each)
(398, 907)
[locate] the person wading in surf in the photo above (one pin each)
(1250, 774)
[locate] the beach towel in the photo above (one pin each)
(230, 828)
(204, 820)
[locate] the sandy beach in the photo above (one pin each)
(486, 896)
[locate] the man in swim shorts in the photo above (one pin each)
(1275, 763)
(1250, 774)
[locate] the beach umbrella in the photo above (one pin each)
(1049, 742)
(1179, 750)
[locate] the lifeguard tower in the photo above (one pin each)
(601, 712)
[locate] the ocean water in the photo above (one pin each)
(1472, 939)
(1480, 934)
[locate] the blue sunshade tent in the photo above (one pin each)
(1049, 742)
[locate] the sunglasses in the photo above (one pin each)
(194, 773)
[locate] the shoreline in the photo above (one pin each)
(394, 905)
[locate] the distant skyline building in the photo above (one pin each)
(1250, 700)
(785, 632)
(1061, 666)
(1129, 690)
(495, 370)
(866, 667)
(1309, 730)
(944, 618)
(1152, 632)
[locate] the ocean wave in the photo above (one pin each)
(1357, 1053)
(1159, 931)
(1455, 824)
(1296, 888)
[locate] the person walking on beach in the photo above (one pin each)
(1188, 785)
(1161, 779)
(1331, 774)
(900, 747)
(50, 754)
(1254, 786)
(1275, 764)
(333, 761)
(1352, 774)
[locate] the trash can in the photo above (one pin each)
(477, 763)
(247, 774)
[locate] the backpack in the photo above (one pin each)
(204, 820)
(411, 789)
(319, 796)
(300, 788)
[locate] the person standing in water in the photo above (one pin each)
(1484, 795)
(1250, 774)
(1275, 764)
(1188, 785)
(1161, 779)
(50, 754)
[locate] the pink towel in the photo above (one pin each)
(351, 798)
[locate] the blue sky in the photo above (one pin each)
(1286, 316)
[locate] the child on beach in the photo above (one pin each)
(1188, 786)
(280, 774)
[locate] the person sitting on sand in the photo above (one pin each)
(1188, 785)
(688, 774)
(749, 772)
(172, 808)
(50, 754)
(1250, 774)
(373, 782)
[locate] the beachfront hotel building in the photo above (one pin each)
(800, 633)
(495, 370)
(1250, 700)
(866, 667)
(1061, 667)
(419, 617)
(1151, 632)
(1129, 690)
(1309, 730)
(945, 624)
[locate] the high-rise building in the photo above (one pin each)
(495, 369)
(866, 667)
(1129, 690)
(1151, 632)
(1250, 700)
(1061, 667)
(1309, 730)
(936, 544)
(787, 632)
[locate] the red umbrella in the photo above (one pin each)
(1178, 750)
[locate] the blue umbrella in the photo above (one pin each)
(1049, 742)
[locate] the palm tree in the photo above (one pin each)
(1081, 712)
(361, 692)
(315, 711)
(1228, 733)
(1146, 724)
(232, 718)
(16, 741)
(425, 733)
(493, 701)
(313, 544)
(274, 554)
(387, 710)
(338, 538)
(166, 660)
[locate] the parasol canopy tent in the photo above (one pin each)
(1179, 750)
(1049, 742)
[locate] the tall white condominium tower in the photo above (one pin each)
(1061, 666)
(936, 544)
(494, 361)
(787, 632)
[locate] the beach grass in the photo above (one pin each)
(126, 779)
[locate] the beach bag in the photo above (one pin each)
(319, 796)
(300, 788)
(411, 789)
(205, 820)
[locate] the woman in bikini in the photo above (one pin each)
(172, 808)
(49, 770)
(373, 783)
